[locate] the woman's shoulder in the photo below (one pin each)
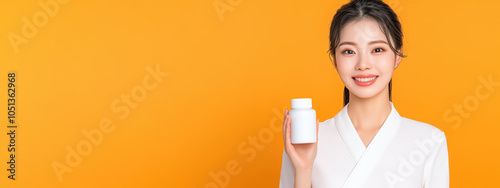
(327, 123)
(415, 127)
(327, 126)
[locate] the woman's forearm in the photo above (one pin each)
(303, 178)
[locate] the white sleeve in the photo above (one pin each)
(437, 174)
(287, 177)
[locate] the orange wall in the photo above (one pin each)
(228, 68)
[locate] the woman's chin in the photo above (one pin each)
(365, 93)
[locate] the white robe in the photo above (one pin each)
(403, 153)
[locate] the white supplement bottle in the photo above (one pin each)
(303, 121)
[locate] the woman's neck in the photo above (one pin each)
(369, 113)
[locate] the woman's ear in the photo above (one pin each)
(398, 59)
(332, 59)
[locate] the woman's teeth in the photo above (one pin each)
(365, 79)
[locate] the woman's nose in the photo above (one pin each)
(363, 63)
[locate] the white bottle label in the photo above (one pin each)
(303, 125)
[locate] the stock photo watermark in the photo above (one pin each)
(223, 6)
(249, 148)
(12, 124)
(120, 106)
(460, 111)
(48, 9)
(417, 157)
(396, 5)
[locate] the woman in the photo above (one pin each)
(367, 144)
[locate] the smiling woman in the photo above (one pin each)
(367, 144)
(386, 24)
(365, 55)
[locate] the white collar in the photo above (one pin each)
(351, 136)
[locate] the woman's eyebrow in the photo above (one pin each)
(347, 43)
(370, 43)
(377, 41)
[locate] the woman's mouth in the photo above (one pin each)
(365, 80)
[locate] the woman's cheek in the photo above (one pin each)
(344, 68)
(386, 62)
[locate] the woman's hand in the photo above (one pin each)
(301, 155)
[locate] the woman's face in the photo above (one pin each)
(364, 60)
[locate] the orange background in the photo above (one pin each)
(230, 76)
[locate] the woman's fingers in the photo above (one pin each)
(317, 129)
(284, 122)
(284, 125)
(288, 142)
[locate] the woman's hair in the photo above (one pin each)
(372, 9)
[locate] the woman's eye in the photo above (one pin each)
(378, 50)
(348, 52)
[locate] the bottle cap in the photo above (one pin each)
(302, 103)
